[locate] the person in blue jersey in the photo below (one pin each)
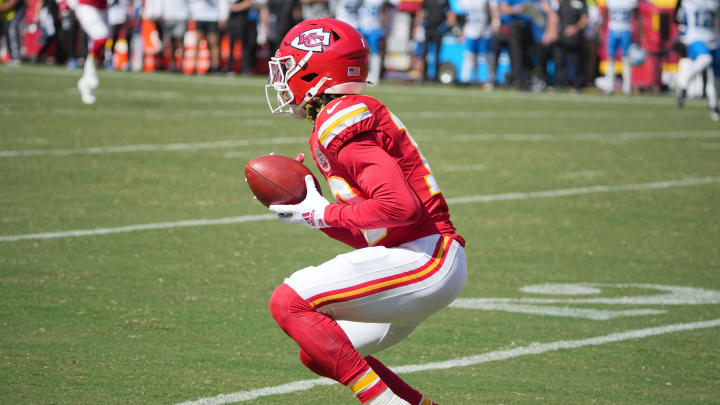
(619, 37)
(702, 38)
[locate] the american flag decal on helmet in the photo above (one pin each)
(353, 71)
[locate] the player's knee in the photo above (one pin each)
(98, 47)
(285, 303)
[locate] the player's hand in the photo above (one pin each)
(310, 212)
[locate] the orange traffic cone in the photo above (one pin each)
(189, 40)
(121, 59)
(203, 60)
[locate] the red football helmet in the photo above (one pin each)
(317, 56)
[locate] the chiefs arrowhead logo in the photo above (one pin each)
(311, 40)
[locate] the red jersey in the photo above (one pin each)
(386, 193)
(99, 4)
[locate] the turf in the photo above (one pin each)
(162, 316)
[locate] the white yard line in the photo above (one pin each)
(498, 355)
(579, 137)
(454, 201)
(582, 190)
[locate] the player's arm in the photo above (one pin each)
(551, 25)
(392, 202)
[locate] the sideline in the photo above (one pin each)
(452, 201)
(536, 348)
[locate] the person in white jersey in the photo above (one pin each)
(477, 33)
(619, 37)
(347, 11)
(702, 38)
(371, 25)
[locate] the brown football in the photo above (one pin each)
(276, 179)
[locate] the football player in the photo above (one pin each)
(477, 33)
(619, 35)
(370, 17)
(93, 18)
(410, 261)
(702, 37)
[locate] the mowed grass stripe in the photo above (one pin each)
(452, 201)
(230, 143)
(467, 361)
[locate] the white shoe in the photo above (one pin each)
(388, 397)
(87, 90)
(715, 114)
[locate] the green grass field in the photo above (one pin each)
(110, 294)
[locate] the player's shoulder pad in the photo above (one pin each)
(344, 118)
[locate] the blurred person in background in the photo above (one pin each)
(49, 22)
(72, 39)
(93, 18)
(619, 38)
(315, 9)
(372, 20)
(702, 38)
(281, 16)
(593, 31)
(544, 28)
(12, 13)
(175, 16)
(347, 11)
(118, 19)
(482, 19)
(520, 40)
(242, 26)
(210, 17)
(436, 18)
(573, 17)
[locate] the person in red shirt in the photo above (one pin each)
(410, 261)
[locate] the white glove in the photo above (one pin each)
(310, 212)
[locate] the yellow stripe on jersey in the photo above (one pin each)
(430, 267)
(369, 379)
(341, 120)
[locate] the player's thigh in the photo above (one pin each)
(371, 338)
(400, 285)
(93, 21)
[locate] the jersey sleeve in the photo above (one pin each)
(392, 202)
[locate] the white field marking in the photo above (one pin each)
(586, 313)
(587, 136)
(498, 355)
(142, 227)
(127, 112)
(425, 138)
(582, 190)
(528, 115)
(155, 77)
(459, 200)
(154, 147)
(140, 94)
(463, 168)
(674, 295)
(561, 289)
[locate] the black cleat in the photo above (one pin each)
(681, 96)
